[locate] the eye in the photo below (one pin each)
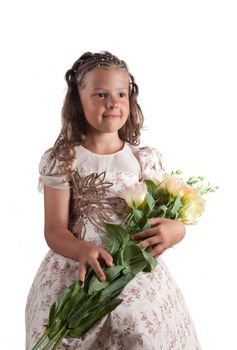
(122, 94)
(101, 94)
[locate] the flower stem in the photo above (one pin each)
(40, 340)
(60, 340)
(56, 338)
(126, 219)
(130, 217)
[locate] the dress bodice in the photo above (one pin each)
(96, 181)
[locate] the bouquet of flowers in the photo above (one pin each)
(79, 307)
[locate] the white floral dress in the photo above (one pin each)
(153, 314)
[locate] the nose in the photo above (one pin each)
(111, 103)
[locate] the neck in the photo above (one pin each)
(103, 143)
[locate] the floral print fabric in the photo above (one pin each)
(153, 314)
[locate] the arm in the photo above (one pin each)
(57, 235)
(62, 241)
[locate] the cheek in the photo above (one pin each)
(125, 104)
(91, 107)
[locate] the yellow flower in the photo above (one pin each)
(135, 195)
(193, 206)
(173, 185)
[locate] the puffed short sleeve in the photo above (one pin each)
(151, 163)
(49, 170)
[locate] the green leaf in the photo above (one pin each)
(137, 214)
(151, 187)
(65, 295)
(141, 220)
(116, 231)
(115, 286)
(90, 272)
(63, 306)
(96, 285)
(72, 304)
(146, 225)
(90, 320)
(150, 201)
(147, 268)
(56, 326)
(52, 313)
(173, 212)
(151, 261)
(83, 310)
(146, 210)
(134, 259)
(112, 272)
(108, 244)
(111, 244)
(117, 236)
(159, 211)
(177, 204)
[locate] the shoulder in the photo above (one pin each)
(149, 156)
(50, 170)
(150, 159)
(48, 165)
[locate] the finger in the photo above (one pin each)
(82, 272)
(98, 270)
(154, 240)
(107, 257)
(157, 250)
(160, 253)
(147, 233)
(155, 221)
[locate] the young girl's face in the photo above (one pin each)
(105, 99)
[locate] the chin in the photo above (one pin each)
(110, 130)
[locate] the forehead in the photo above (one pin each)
(106, 77)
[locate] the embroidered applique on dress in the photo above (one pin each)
(90, 202)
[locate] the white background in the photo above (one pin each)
(183, 55)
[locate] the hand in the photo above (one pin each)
(163, 234)
(89, 254)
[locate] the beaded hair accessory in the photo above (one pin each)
(99, 59)
(89, 61)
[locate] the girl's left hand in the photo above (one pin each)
(163, 234)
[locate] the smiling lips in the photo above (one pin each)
(111, 116)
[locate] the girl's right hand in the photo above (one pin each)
(89, 254)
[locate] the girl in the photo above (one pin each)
(95, 156)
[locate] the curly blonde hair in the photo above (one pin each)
(73, 130)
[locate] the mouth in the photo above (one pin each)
(111, 116)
